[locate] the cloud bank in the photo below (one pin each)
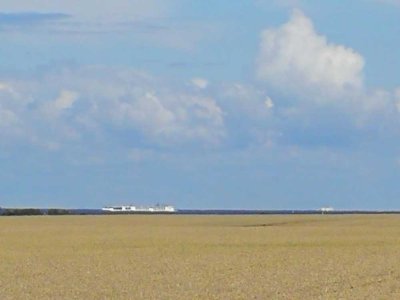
(76, 102)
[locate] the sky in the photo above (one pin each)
(246, 104)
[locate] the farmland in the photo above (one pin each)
(200, 257)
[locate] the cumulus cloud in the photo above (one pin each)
(172, 117)
(319, 95)
(295, 57)
(95, 100)
(120, 108)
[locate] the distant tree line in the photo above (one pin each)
(21, 212)
(33, 212)
(58, 211)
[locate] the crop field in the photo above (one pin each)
(200, 257)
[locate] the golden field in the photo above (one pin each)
(200, 257)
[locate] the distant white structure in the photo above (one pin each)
(326, 209)
(133, 208)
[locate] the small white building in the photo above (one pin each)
(326, 209)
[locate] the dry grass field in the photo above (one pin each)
(200, 257)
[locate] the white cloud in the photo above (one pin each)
(269, 103)
(175, 117)
(146, 112)
(64, 101)
(243, 100)
(200, 83)
(126, 109)
(295, 57)
(110, 98)
(314, 79)
(318, 87)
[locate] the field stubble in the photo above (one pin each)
(200, 257)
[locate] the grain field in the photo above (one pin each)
(200, 257)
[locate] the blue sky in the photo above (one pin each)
(202, 104)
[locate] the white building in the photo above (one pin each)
(326, 209)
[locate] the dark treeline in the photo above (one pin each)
(58, 211)
(33, 211)
(21, 212)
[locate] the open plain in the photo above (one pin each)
(200, 257)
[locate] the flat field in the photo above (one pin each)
(200, 257)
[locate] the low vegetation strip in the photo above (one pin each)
(33, 211)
